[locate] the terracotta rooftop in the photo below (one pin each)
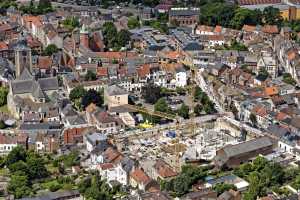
(249, 28)
(140, 176)
(164, 170)
(272, 29)
(257, 2)
(44, 62)
(259, 110)
(102, 71)
(270, 91)
(3, 46)
(144, 70)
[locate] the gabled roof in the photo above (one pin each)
(140, 176)
(115, 90)
(248, 146)
(25, 75)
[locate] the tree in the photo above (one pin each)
(17, 154)
(235, 45)
(272, 16)
(92, 96)
(90, 76)
(71, 23)
(45, 6)
(77, 93)
(36, 167)
(133, 23)
(50, 50)
(123, 38)
(245, 16)
(222, 187)
(216, 13)
(183, 182)
(162, 106)
(109, 33)
(253, 119)
(263, 73)
(3, 95)
(198, 109)
(151, 93)
(198, 95)
(19, 166)
(184, 111)
(19, 185)
(2, 124)
(287, 78)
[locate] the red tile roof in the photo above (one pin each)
(102, 71)
(249, 28)
(259, 110)
(140, 176)
(44, 62)
(164, 170)
(3, 46)
(256, 2)
(112, 155)
(116, 55)
(218, 29)
(105, 166)
(270, 91)
(272, 29)
(143, 71)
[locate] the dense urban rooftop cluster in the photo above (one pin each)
(149, 99)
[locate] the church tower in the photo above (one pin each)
(23, 59)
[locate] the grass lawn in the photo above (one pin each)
(4, 109)
(52, 169)
(4, 172)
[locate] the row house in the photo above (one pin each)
(113, 166)
(158, 170)
(103, 121)
(268, 63)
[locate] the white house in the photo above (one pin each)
(117, 172)
(216, 40)
(181, 78)
(268, 63)
(7, 143)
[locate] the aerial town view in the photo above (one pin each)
(150, 99)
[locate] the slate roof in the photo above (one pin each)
(114, 90)
(183, 12)
(248, 146)
(25, 75)
(36, 88)
(55, 195)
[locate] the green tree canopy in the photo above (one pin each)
(3, 95)
(77, 93)
(151, 93)
(133, 23)
(71, 22)
(92, 96)
(162, 106)
(90, 76)
(50, 50)
(222, 187)
(109, 33)
(244, 16)
(216, 14)
(123, 38)
(184, 111)
(272, 16)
